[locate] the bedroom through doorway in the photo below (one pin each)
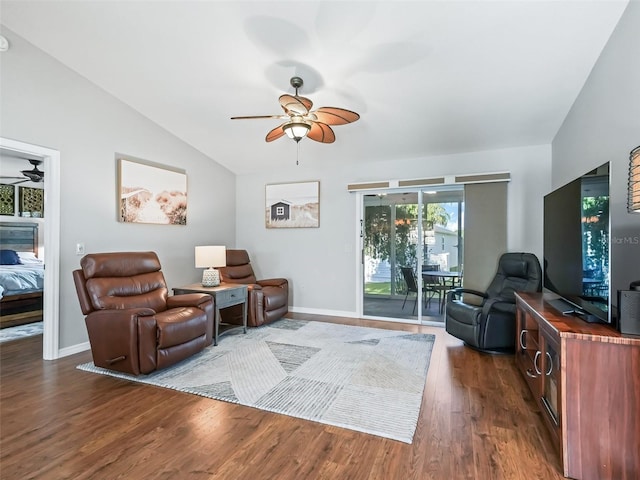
(46, 229)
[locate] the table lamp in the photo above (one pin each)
(208, 257)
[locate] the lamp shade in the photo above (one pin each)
(633, 204)
(211, 256)
(296, 130)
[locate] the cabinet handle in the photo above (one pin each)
(535, 362)
(531, 374)
(550, 369)
(522, 334)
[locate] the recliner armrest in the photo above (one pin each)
(189, 300)
(471, 291)
(456, 293)
(126, 314)
(274, 282)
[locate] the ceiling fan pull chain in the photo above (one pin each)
(297, 153)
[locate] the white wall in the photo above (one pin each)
(45, 103)
(320, 263)
(604, 125)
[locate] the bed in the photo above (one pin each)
(21, 274)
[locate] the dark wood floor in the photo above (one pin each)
(477, 421)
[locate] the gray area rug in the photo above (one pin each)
(365, 379)
(21, 331)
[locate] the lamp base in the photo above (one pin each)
(210, 278)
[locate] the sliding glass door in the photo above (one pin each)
(402, 233)
(442, 233)
(389, 243)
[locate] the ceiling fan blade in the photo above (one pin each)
(35, 179)
(275, 134)
(295, 105)
(252, 117)
(335, 116)
(321, 132)
(22, 180)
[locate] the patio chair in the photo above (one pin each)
(412, 287)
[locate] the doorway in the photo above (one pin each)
(403, 234)
(51, 296)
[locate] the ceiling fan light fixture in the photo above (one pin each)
(296, 130)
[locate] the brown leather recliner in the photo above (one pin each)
(268, 299)
(134, 325)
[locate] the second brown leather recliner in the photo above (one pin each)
(268, 299)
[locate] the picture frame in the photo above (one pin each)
(31, 202)
(151, 193)
(292, 205)
(7, 199)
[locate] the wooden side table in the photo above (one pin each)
(224, 295)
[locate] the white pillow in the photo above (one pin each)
(29, 258)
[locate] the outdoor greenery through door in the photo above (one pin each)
(402, 229)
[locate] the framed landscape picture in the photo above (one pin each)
(292, 205)
(149, 193)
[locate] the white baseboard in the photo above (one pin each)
(73, 349)
(320, 311)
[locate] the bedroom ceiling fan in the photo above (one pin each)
(34, 175)
(302, 121)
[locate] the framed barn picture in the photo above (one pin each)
(151, 193)
(292, 205)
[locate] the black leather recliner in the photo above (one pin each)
(491, 325)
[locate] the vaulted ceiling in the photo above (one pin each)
(427, 77)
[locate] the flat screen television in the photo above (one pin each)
(576, 246)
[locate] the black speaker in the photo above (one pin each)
(629, 312)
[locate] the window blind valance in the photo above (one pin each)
(426, 182)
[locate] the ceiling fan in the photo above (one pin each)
(33, 175)
(302, 122)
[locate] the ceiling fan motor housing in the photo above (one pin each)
(296, 82)
(34, 174)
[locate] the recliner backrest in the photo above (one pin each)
(123, 280)
(238, 269)
(516, 272)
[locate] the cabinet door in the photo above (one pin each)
(527, 349)
(550, 385)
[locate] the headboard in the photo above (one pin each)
(21, 237)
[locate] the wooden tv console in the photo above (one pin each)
(585, 379)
